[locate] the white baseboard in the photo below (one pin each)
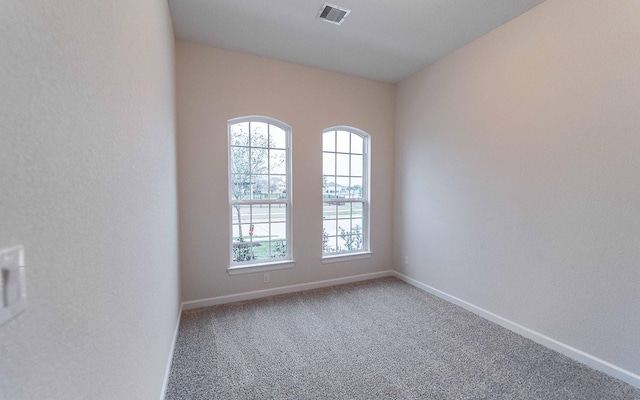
(573, 353)
(212, 301)
(167, 371)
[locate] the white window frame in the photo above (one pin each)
(277, 263)
(365, 252)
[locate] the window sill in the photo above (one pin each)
(253, 268)
(346, 257)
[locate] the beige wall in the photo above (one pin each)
(215, 85)
(518, 175)
(87, 171)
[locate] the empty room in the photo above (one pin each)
(278, 199)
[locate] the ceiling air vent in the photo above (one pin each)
(333, 14)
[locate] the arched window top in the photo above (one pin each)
(348, 129)
(260, 118)
(358, 140)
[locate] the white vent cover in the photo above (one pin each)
(333, 14)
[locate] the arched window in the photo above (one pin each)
(259, 191)
(345, 191)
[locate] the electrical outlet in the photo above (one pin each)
(266, 278)
(406, 260)
(13, 285)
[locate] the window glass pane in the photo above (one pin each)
(277, 187)
(240, 187)
(259, 134)
(240, 214)
(356, 188)
(260, 249)
(259, 213)
(277, 137)
(242, 232)
(344, 226)
(278, 248)
(278, 213)
(239, 160)
(356, 165)
(259, 246)
(350, 242)
(277, 162)
(342, 141)
(329, 141)
(329, 244)
(344, 210)
(240, 134)
(260, 230)
(328, 163)
(356, 210)
(235, 232)
(259, 187)
(342, 165)
(329, 187)
(357, 144)
(356, 226)
(357, 242)
(342, 187)
(242, 249)
(278, 231)
(329, 211)
(341, 245)
(329, 226)
(259, 161)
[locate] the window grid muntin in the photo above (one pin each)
(282, 200)
(333, 199)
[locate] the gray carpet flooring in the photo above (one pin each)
(379, 339)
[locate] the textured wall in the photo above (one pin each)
(87, 185)
(215, 85)
(518, 175)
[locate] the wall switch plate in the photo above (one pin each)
(266, 278)
(13, 284)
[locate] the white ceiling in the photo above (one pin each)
(384, 40)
